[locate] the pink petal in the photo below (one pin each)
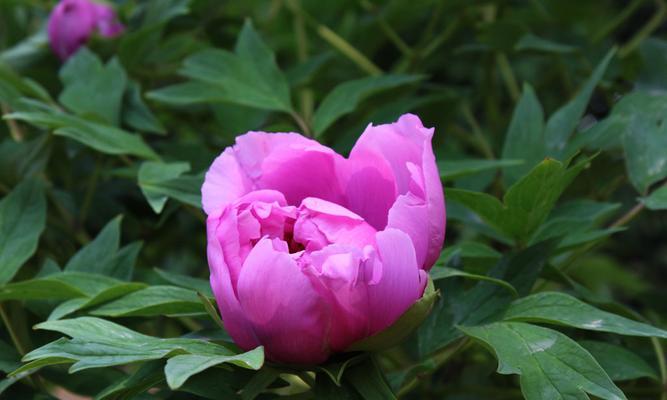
(406, 148)
(106, 21)
(70, 25)
(401, 281)
(288, 316)
(321, 223)
(337, 273)
(287, 162)
(233, 316)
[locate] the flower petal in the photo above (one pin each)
(406, 148)
(233, 316)
(288, 316)
(401, 281)
(321, 223)
(70, 25)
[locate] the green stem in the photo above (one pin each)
(306, 95)
(508, 76)
(12, 332)
(302, 124)
(90, 191)
(482, 144)
(662, 365)
(336, 41)
(651, 25)
(14, 129)
(618, 20)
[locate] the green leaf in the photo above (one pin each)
(249, 76)
(404, 325)
(657, 200)
(530, 42)
(620, 363)
(153, 300)
(62, 285)
(97, 343)
(526, 204)
(22, 220)
(97, 256)
(367, 378)
(145, 377)
(198, 285)
(260, 381)
(23, 160)
(211, 310)
(182, 367)
(482, 303)
(563, 309)
(525, 136)
(453, 170)
(187, 93)
(345, 97)
(550, 365)
(93, 89)
(159, 181)
(101, 137)
(137, 114)
(438, 273)
(9, 358)
(644, 143)
(466, 250)
(563, 122)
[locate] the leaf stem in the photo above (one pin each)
(508, 76)
(646, 30)
(12, 332)
(336, 41)
(482, 144)
(14, 128)
(90, 191)
(302, 124)
(617, 21)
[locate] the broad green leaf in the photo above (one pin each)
(620, 363)
(550, 365)
(367, 378)
(23, 160)
(563, 309)
(645, 142)
(159, 181)
(101, 137)
(186, 93)
(137, 114)
(145, 377)
(198, 285)
(107, 294)
(182, 367)
(438, 273)
(484, 302)
(525, 136)
(22, 220)
(466, 250)
(91, 88)
(97, 256)
(249, 76)
(402, 327)
(563, 122)
(453, 170)
(153, 300)
(345, 97)
(96, 343)
(530, 42)
(62, 285)
(526, 204)
(657, 200)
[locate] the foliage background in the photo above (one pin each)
(101, 160)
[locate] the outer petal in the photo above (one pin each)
(106, 21)
(287, 162)
(70, 25)
(406, 148)
(233, 316)
(321, 223)
(288, 316)
(338, 273)
(400, 283)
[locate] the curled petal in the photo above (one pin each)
(400, 282)
(233, 316)
(406, 148)
(288, 316)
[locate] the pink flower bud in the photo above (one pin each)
(311, 252)
(72, 22)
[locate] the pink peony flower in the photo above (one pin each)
(72, 22)
(310, 252)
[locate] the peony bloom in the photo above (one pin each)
(310, 252)
(72, 22)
